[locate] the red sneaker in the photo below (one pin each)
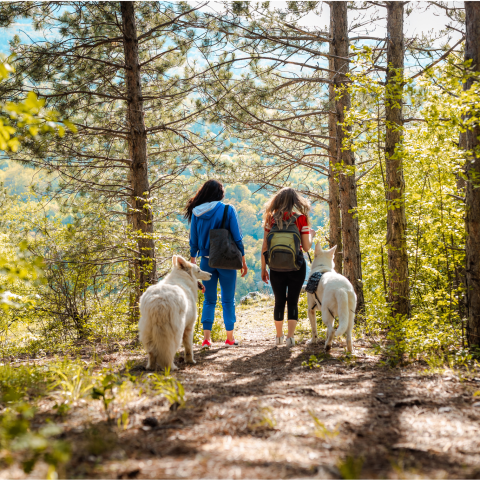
(231, 343)
(206, 344)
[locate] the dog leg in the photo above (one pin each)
(188, 344)
(328, 320)
(313, 318)
(351, 320)
(349, 341)
(155, 364)
(151, 361)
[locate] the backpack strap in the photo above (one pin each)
(225, 213)
(293, 217)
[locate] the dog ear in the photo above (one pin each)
(174, 260)
(332, 250)
(318, 248)
(183, 264)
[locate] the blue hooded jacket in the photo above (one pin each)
(209, 216)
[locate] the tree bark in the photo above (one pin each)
(472, 171)
(142, 217)
(335, 233)
(398, 288)
(352, 266)
(133, 264)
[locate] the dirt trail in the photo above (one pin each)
(250, 414)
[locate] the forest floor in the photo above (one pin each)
(257, 411)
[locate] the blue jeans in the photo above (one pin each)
(228, 282)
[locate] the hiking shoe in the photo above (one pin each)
(232, 343)
(290, 342)
(279, 340)
(206, 344)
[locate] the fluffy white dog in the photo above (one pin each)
(168, 313)
(336, 296)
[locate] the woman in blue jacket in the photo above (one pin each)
(204, 212)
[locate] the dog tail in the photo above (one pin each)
(343, 311)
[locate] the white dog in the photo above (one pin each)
(337, 298)
(168, 313)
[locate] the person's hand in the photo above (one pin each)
(244, 268)
(265, 276)
(193, 260)
(312, 232)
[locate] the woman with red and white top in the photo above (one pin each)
(280, 208)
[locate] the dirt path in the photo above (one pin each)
(250, 414)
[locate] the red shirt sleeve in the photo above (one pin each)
(302, 224)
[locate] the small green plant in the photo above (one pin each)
(263, 418)
(435, 362)
(19, 441)
(351, 467)
(123, 421)
(106, 391)
(313, 362)
(320, 430)
(461, 358)
(73, 382)
(24, 380)
(348, 359)
(169, 387)
(218, 333)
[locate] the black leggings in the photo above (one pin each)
(281, 281)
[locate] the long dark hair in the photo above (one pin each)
(210, 191)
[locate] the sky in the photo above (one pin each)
(22, 28)
(422, 20)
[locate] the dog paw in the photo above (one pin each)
(312, 341)
(190, 361)
(173, 367)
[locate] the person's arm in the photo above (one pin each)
(307, 240)
(234, 227)
(265, 276)
(307, 233)
(193, 239)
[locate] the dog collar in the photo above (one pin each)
(328, 269)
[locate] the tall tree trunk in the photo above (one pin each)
(142, 218)
(335, 234)
(352, 266)
(133, 264)
(398, 290)
(461, 184)
(472, 170)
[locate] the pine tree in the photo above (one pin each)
(335, 234)
(472, 172)
(352, 264)
(398, 293)
(119, 71)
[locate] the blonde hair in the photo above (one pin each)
(284, 201)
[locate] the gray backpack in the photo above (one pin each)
(224, 252)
